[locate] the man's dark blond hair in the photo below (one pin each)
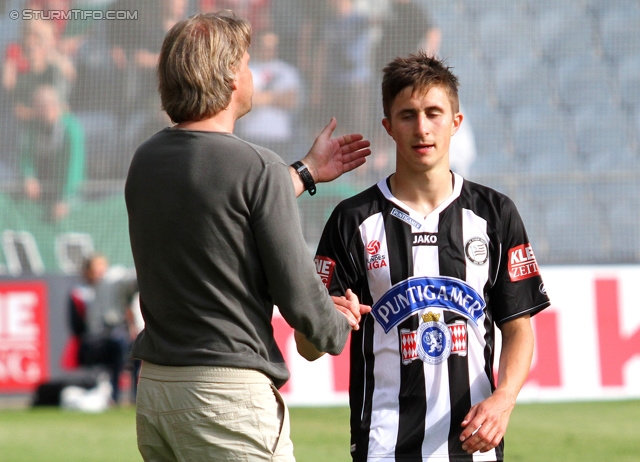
(198, 63)
(421, 72)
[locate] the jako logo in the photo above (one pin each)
(373, 247)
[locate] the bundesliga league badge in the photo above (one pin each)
(434, 339)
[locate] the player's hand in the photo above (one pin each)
(486, 423)
(329, 157)
(350, 306)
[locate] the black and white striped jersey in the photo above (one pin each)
(438, 285)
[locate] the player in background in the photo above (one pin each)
(442, 261)
(217, 242)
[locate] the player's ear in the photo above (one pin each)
(386, 123)
(457, 121)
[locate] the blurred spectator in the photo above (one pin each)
(300, 44)
(404, 28)
(315, 17)
(257, 12)
(299, 39)
(69, 32)
(52, 154)
(134, 51)
(35, 60)
(277, 91)
(342, 71)
(102, 321)
(290, 32)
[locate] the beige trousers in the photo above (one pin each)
(193, 414)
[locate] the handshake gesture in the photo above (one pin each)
(350, 306)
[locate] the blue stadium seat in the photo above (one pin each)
(541, 140)
(599, 8)
(538, 7)
(545, 192)
(576, 231)
(636, 129)
(584, 79)
(491, 162)
(629, 80)
(620, 31)
(458, 36)
(563, 31)
(492, 144)
(624, 160)
(624, 188)
(477, 8)
(534, 224)
(505, 32)
(476, 83)
(602, 138)
(624, 217)
(523, 80)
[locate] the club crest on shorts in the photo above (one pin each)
(433, 339)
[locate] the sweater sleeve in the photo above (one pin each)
(288, 265)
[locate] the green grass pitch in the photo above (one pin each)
(580, 432)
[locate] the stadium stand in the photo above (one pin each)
(552, 90)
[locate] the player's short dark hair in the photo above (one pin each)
(421, 72)
(198, 62)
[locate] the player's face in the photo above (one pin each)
(244, 83)
(422, 124)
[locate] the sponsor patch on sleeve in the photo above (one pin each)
(325, 267)
(522, 263)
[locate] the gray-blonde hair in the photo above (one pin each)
(198, 62)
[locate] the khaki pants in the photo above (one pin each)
(195, 414)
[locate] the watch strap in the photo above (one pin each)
(305, 176)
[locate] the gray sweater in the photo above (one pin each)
(217, 242)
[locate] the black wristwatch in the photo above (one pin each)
(305, 176)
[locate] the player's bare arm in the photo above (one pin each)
(486, 423)
(330, 157)
(305, 347)
(350, 306)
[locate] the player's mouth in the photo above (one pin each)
(423, 148)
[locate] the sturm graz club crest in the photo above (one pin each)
(434, 339)
(477, 251)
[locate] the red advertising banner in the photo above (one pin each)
(24, 344)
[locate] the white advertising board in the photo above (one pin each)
(587, 343)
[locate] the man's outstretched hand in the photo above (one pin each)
(330, 157)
